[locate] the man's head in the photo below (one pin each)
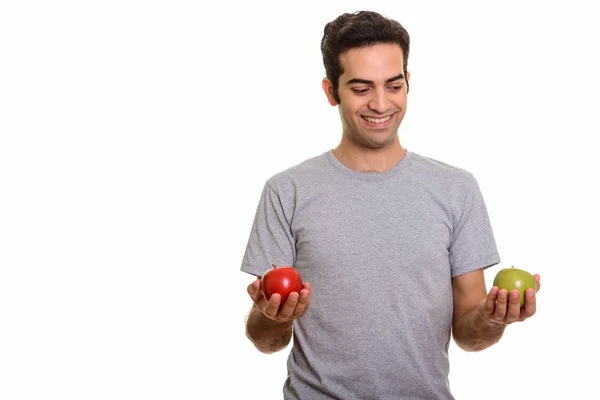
(365, 57)
(359, 29)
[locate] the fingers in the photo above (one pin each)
(257, 295)
(272, 306)
(490, 301)
(287, 309)
(304, 301)
(508, 306)
(537, 282)
(295, 305)
(530, 304)
(254, 289)
(514, 307)
(501, 305)
(505, 307)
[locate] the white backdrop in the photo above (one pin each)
(135, 138)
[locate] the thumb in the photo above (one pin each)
(254, 289)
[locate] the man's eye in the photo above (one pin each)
(360, 90)
(396, 88)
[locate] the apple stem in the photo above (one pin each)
(274, 266)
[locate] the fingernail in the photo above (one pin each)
(502, 294)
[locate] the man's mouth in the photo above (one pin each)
(374, 120)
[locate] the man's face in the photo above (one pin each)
(372, 92)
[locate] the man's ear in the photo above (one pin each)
(328, 89)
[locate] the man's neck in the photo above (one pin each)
(364, 159)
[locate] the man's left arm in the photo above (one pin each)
(480, 319)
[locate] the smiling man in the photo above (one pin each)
(391, 244)
(374, 97)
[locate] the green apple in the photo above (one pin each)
(515, 278)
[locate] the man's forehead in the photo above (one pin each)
(389, 49)
(381, 61)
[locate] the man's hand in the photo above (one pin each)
(294, 307)
(503, 308)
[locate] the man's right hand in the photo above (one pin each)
(294, 307)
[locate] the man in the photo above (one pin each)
(391, 245)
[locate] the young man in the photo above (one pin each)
(391, 245)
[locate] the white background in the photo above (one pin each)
(135, 138)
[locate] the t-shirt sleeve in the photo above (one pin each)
(271, 240)
(473, 244)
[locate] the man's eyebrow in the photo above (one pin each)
(368, 82)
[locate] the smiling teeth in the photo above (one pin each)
(378, 120)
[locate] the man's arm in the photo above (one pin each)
(269, 326)
(267, 335)
(480, 320)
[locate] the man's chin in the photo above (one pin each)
(377, 141)
(379, 145)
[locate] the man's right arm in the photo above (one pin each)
(267, 335)
(269, 326)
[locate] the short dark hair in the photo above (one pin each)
(359, 29)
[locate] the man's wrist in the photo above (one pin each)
(491, 323)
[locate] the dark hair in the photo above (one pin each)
(359, 29)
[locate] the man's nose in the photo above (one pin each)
(379, 102)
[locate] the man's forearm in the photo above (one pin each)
(268, 336)
(473, 333)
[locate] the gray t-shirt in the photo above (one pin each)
(380, 250)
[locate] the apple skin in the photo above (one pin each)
(515, 278)
(281, 279)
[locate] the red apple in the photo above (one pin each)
(283, 280)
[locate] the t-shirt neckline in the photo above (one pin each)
(370, 176)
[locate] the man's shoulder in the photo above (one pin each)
(304, 171)
(438, 169)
